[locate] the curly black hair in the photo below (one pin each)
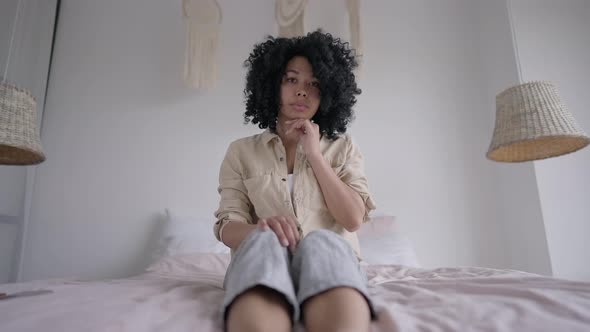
(332, 62)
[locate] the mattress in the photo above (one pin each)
(180, 295)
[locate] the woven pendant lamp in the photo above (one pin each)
(19, 138)
(532, 123)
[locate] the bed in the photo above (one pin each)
(182, 291)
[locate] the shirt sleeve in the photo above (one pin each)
(353, 174)
(234, 205)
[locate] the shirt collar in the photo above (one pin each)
(268, 136)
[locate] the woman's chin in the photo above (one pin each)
(299, 115)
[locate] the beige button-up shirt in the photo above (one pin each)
(253, 184)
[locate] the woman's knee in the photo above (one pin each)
(339, 308)
(260, 236)
(321, 238)
(259, 309)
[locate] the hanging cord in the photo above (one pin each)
(11, 40)
(514, 40)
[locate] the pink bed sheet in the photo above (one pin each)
(407, 299)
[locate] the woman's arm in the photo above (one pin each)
(234, 232)
(345, 204)
(234, 221)
(234, 205)
(285, 227)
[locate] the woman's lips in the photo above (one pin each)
(300, 107)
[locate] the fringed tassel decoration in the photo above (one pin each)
(355, 31)
(203, 21)
(290, 18)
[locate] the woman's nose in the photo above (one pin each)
(301, 93)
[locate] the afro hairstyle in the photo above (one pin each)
(332, 62)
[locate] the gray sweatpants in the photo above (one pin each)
(322, 261)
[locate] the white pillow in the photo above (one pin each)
(187, 234)
(381, 242)
(191, 264)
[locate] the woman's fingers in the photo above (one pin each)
(295, 124)
(276, 227)
(263, 225)
(294, 228)
(285, 228)
(288, 230)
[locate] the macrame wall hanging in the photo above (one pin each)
(290, 18)
(203, 21)
(354, 19)
(289, 14)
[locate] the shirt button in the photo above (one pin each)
(281, 158)
(284, 179)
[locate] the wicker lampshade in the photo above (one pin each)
(19, 137)
(532, 123)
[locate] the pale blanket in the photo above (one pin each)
(407, 299)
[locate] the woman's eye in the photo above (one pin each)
(291, 79)
(315, 84)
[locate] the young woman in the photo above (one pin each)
(293, 196)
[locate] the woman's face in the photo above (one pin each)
(300, 91)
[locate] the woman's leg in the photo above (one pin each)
(338, 309)
(259, 309)
(259, 290)
(331, 285)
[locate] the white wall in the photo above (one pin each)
(12, 178)
(423, 88)
(7, 14)
(8, 236)
(125, 139)
(554, 44)
(28, 68)
(518, 206)
(12, 188)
